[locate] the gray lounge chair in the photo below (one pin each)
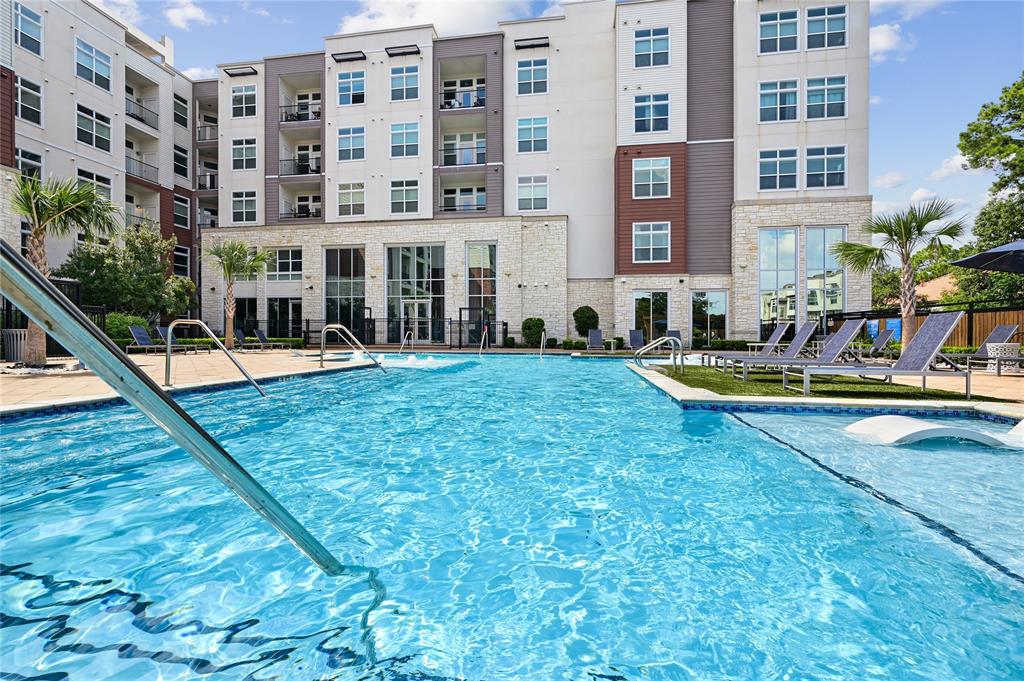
(636, 339)
(766, 349)
(796, 348)
(1000, 334)
(881, 344)
(141, 340)
(674, 333)
(168, 337)
(266, 342)
(595, 340)
(836, 349)
(921, 358)
(240, 342)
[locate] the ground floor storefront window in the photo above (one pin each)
(708, 311)
(345, 289)
(776, 278)
(284, 317)
(825, 278)
(415, 293)
(650, 313)
(245, 316)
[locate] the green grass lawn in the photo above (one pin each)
(769, 384)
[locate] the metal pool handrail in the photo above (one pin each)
(347, 336)
(483, 339)
(412, 342)
(21, 283)
(657, 343)
(216, 341)
(543, 342)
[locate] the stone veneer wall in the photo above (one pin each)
(679, 287)
(598, 294)
(531, 259)
(748, 217)
(10, 224)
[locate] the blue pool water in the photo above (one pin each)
(505, 519)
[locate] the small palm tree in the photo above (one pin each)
(902, 233)
(236, 259)
(58, 208)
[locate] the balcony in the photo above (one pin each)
(137, 168)
(138, 221)
(141, 113)
(301, 213)
(206, 181)
(448, 207)
(463, 98)
(300, 166)
(206, 133)
(464, 154)
(207, 221)
(300, 112)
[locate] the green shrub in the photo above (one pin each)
(551, 343)
(731, 344)
(585, 318)
(118, 323)
(959, 350)
(620, 342)
(568, 344)
(510, 342)
(532, 329)
(579, 345)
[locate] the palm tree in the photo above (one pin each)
(235, 259)
(902, 233)
(58, 208)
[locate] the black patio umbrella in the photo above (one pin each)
(1006, 258)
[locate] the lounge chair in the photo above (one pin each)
(767, 348)
(636, 339)
(881, 344)
(796, 348)
(595, 340)
(920, 358)
(836, 349)
(141, 340)
(167, 337)
(1000, 334)
(266, 342)
(674, 333)
(240, 342)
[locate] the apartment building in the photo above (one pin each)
(675, 164)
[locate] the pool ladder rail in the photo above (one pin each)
(216, 341)
(675, 356)
(40, 300)
(344, 334)
(483, 339)
(543, 342)
(412, 343)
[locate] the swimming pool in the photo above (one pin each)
(505, 518)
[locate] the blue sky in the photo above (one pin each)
(935, 62)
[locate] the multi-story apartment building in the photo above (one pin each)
(675, 164)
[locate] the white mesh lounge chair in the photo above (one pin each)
(797, 348)
(834, 351)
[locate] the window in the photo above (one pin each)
(826, 167)
(243, 154)
(243, 101)
(307, 205)
(180, 161)
(101, 183)
(826, 97)
(777, 169)
(650, 47)
(463, 199)
(351, 88)
(482, 280)
(651, 178)
(532, 76)
(826, 27)
(532, 192)
(351, 199)
(778, 101)
(463, 93)
(708, 313)
(650, 241)
(344, 287)
(776, 255)
(93, 128)
(825, 277)
(533, 134)
(405, 83)
(92, 65)
(778, 32)
(181, 111)
(30, 164)
(286, 265)
(182, 261)
(28, 29)
(405, 196)
(463, 148)
(405, 139)
(650, 113)
(28, 101)
(415, 283)
(181, 212)
(351, 144)
(243, 206)
(650, 313)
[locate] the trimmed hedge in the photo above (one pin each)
(510, 342)
(568, 344)
(532, 329)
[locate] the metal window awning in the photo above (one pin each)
(528, 43)
(234, 71)
(402, 50)
(355, 55)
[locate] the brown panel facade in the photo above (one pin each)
(709, 193)
(671, 209)
(709, 69)
(6, 117)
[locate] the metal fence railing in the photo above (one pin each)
(979, 319)
(13, 318)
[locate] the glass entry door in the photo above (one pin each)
(416, 318)
(708, 315)
(650, 313)
(284, 317)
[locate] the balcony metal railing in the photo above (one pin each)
(206, 133)
(206, 221)
(462, 208)
(206, 181)
(135, 220)
(300, 112)
(134, 166)
(464, 155)
(300, 213)
(141, 113)
(300, 166)
(464, 98)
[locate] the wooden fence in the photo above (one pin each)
(978, 321)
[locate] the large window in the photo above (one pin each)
(650, 47)
(405, 139)
(776, 277)
(101, 183)
(532, 192)
(463, 199)
(650, 113)
(243, 101)
(93, 128)
(243, 154)
(482, 280)
(651, 241)
(182, 261)
(28, 29)
(284, 317)
(351, 88)
(777, 169)
(463, 148)
(181, 111)
(180, 161)
(243, 206)
(778, 32)
(92, 65)
(532, 76)
(532, 134)
(245, 314)
(29, 163)
(286, 265)
(778, 101)
(415, 292)
(28, 101)
(345, 288)
(351, 199)
(826, 97)
(651, 178)
(405, 83)
(405, 196)
(181, 212)
(708, 317)
(826, 27)
(351, 144)
(825, 277)
(826, 167)
(650, 313)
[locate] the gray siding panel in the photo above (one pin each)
(205, 89)
(709, 69)
(709, 193)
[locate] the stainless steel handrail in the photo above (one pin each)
(213, 337)
(43, 303)
(677, 345)
(483, 339)
(347, 336)
(412, 342)
(543, 342)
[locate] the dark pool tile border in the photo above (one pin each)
(743, 407)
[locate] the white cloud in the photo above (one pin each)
(888, 40)
(905, 9)
(922, 194)
(875, 100)
(200, 72)
(183, 13)
(126, 10)
(453, 17)
(951, 167)
(890, 180)
(878, 207)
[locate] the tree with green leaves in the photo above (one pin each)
(58, 208)
(235, 259)
(995, 140)
(924, 225)
(999, 222)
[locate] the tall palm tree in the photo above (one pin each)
(235, 259)
(58, 208)
(922, 225)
